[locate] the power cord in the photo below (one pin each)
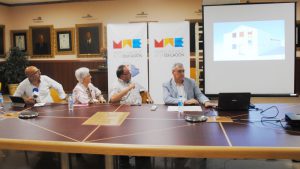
(271, 119)
(266, 118)
(253, 107)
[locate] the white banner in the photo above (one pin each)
(169, 43)
(127, 44)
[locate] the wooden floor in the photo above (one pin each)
(17, 160)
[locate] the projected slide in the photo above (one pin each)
(250, 40)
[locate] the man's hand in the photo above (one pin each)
(210, 104)
(191, 101)
(149, 101)
(29, 100)
(102, 100)
(131, 86)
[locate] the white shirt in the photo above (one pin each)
(180, 90)
(25, 89)
(80, 94)
(132, 97)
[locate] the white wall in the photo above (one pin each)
(65, 15)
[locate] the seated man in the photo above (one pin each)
(85, 92)
(125, 91)
(185, 87)
(191, 94)
(35, 88)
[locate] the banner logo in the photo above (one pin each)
(130, 43)
(173, 42)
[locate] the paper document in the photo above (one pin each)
(185, 108)
(39, 104)
(81, 105)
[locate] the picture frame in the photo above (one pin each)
(297, 31)
(64, 41)
(19, 38)
(41, 42)
(89, 40)
(2, 41)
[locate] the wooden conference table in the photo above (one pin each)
(150, 133)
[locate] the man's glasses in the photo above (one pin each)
(180, 71)
(126, 74)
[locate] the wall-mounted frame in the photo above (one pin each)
(41, 43)
(297, 35)
(19, 38)
(89, 39)
(2, 41)
(64, 41)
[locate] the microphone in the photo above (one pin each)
(35, 93)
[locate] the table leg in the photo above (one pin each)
(64, 161)
(109, 162)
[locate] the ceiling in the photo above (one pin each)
(31, 2)
(12, 2)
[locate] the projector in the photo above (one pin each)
(293, 119)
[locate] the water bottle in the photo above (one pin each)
(180, 104)
(1, 101)
(70, 103)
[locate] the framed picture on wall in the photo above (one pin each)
(19, 39)
(2, 41)
(298, 35)
(64, 39)
(89, 39)
(41, 41)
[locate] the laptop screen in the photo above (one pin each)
(234, 101)
(16, 99)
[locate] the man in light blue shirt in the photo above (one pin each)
(185, 87)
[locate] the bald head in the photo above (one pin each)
(31, 70)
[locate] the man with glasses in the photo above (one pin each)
(125, 91)
(35, 83)
(185, 87)
(191, 94)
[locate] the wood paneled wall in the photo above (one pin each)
(63, 71)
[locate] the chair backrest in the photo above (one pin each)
(55, 96)
(144, 96)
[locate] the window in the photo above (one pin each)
(241, 34)
(233, 46)
(233, 35)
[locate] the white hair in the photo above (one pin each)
(176, 65)
(81, 73)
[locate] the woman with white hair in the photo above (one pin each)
(85, 92)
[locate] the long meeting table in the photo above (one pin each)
(144, 132)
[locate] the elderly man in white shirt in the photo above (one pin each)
(35, 88)
(125, 91)
(85, 92)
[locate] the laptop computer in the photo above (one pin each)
(17, 101)
(234, 101)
